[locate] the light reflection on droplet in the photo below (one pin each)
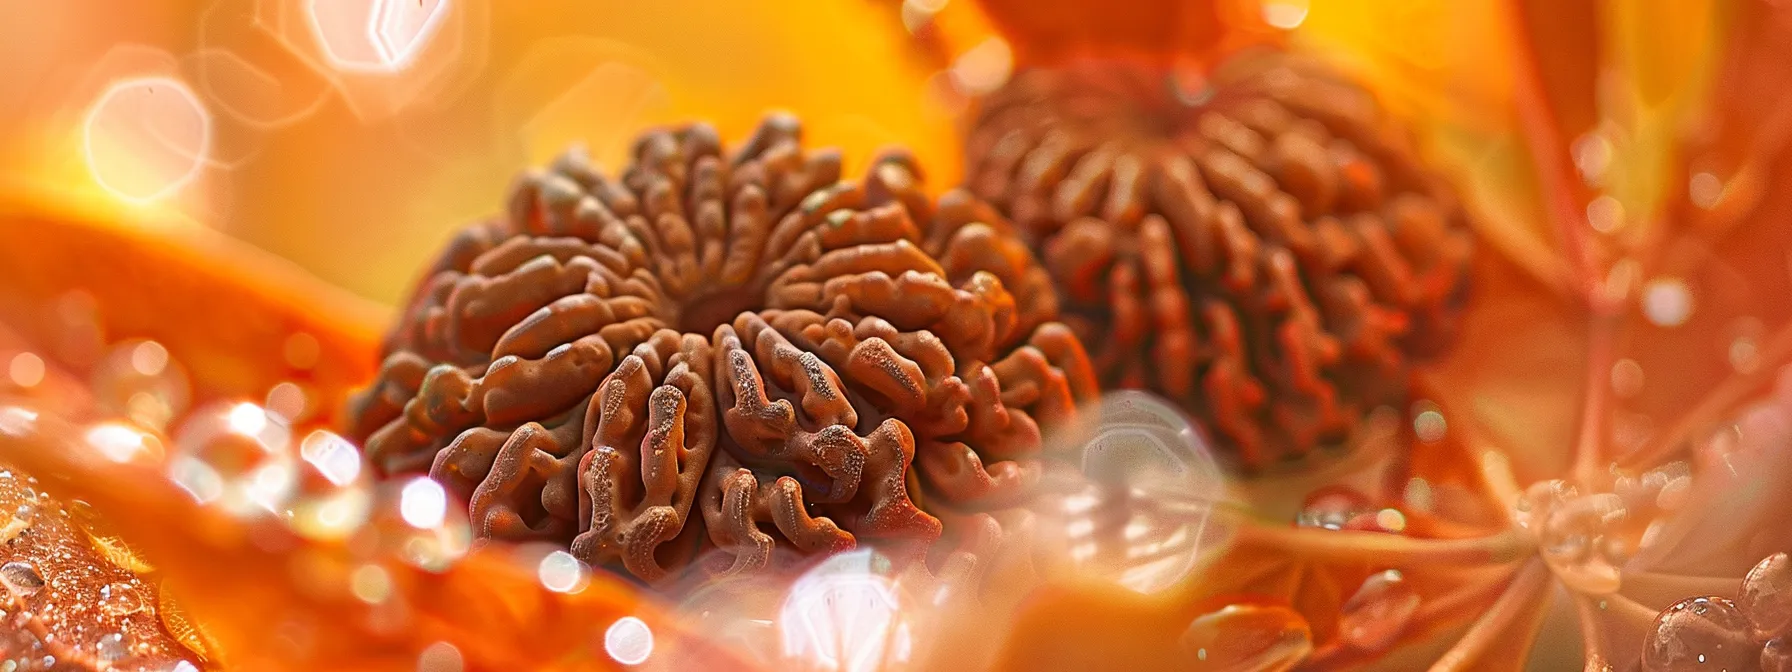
(560, 572)
(123, 443)
(1745, 355)
(1375, 616)
(371, 584)
(119, 599)
(1667, 302)
(21, 578)
(196, 477)
(423, 503)
(144, 138)
(1391, 520)
(26, 369)
(247, 418)
(1705, 190)
(1285, 14)
(629, 641)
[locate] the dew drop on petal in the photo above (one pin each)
(1374, 617)
(1776, 655)
(1248, 637)
(1704, 633)
(21, 578)
(119, 599)
(629, 641)
(1766, 598)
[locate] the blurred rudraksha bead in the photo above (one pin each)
(1267, 250)
(740, 351)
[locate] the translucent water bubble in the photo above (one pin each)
(1262, 638)
(1766, 598)
(21, 578)
(119, 599)
(1701, 633)
(138, 380)
(844, 615)
(1138, 510)
(112, 648)
(238, 455)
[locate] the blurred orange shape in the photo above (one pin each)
(146, 137)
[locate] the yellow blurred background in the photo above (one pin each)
(357, 171)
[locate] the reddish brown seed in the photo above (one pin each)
(1263, 256)
(726, 359)
(1700, 633)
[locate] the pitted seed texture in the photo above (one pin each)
(741, 352)
(1263, 247)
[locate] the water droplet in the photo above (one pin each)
(111, 648)
(1332, 508)
(1375, 616)
(1248, 637)
(21, 578)
(1776, 655)
(137, 380)
(1766, 597)
(1138, 513)
(1574, 542)
(1536, 503)
(629, 641)
(1702, 633)
(1428, 422)
(121, 598)
(1667, 302)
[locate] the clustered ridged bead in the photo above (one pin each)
(1266, 250)
(715, 356)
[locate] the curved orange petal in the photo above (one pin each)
(240, 319)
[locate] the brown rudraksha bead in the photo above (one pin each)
(1265, 249)
(733, 351)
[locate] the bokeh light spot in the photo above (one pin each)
(26, 369)
(629, 641)
(560, 572)
(374, 35)
(145, 138)
(423, 503)
(1667, 302)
